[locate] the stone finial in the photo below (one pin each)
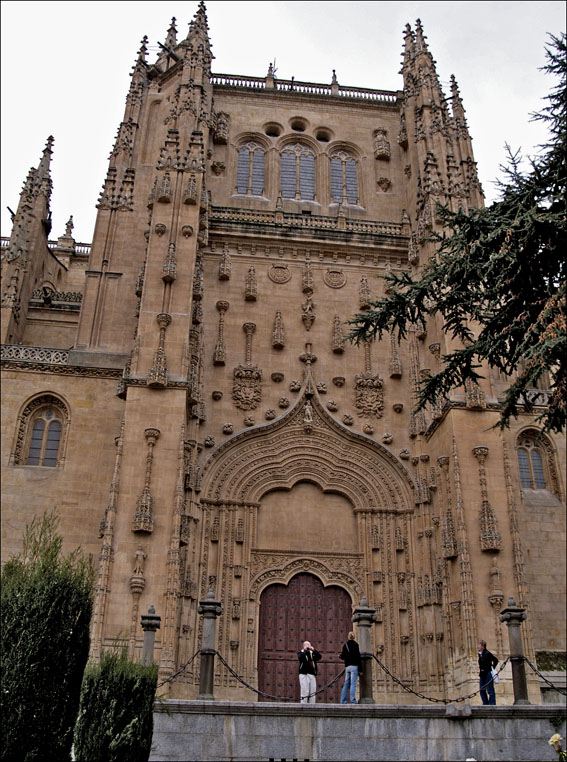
(171, 39)
(270, 77)
(334, 84)
(143, 49)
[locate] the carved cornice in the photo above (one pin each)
(65, 370)
(265, 222)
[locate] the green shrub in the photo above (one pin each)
(46, 604)
(115, 722)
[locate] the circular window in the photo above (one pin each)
(273, 129)
(298, 124)
(323, 135)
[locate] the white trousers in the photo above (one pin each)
(307, 685)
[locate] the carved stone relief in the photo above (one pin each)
(246, 385)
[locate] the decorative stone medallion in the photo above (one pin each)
(334, 278)
(279, 273)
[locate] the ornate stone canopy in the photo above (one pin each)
(307, 443)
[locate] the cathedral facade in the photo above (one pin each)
(183, 391)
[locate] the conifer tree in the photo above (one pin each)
(497, 279)
(46, 606)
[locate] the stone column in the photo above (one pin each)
(150, 623)
(514, 616)
(210, 609)
(365, 618)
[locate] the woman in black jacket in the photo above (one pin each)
(353, 667)
(486, 662)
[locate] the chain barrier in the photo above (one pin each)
(341, 673)
(439, 700)
(179, 671)
(268, 695)
(562, 691)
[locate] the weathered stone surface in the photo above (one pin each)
(233, 207)
(281, 731)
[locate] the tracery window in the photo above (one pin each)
(41, 433)
(250, 171)
(344, 182)
(298, 172)
(531, 462)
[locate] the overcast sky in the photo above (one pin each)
(66, 65)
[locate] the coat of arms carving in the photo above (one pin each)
(246, 388)
(368, 395)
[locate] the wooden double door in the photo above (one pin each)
(290, 614)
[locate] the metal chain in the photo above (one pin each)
(430, 698)
(545, 680)
(268, 695)
(179, 671)
(341, 673)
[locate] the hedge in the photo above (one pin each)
(115, 721)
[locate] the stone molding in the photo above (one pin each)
(341, 569)
(223, 214)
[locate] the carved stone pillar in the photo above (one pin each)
(143, 516)
(210, 609)
(219, 355)
(157, 376)
(365, 618)
(514, 616)
(490, 539)
(150, 623)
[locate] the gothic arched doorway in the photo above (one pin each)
(289, 614)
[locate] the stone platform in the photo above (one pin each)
(230, 731)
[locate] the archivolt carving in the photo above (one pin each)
(277, 455)
(329, 572)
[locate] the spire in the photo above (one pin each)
(456, 98)
(420, 44)
(171, 39)
(139, 81)
(45, 161)
(409, 39)
(455, 88)
(143, 49)
(167, 50)
(139, 70)
(198, 34)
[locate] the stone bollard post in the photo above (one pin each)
(150, 623)
(365, 617)
(514, 616)
(210, 609)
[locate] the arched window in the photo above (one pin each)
(298, 172)
(344, 183)
(41, 433)
(250, 171)
(531, 461)
(45, 439)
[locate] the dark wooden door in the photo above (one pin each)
(290, 614)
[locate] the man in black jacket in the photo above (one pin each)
(308, 658)
(486, 663)
(353, 667)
